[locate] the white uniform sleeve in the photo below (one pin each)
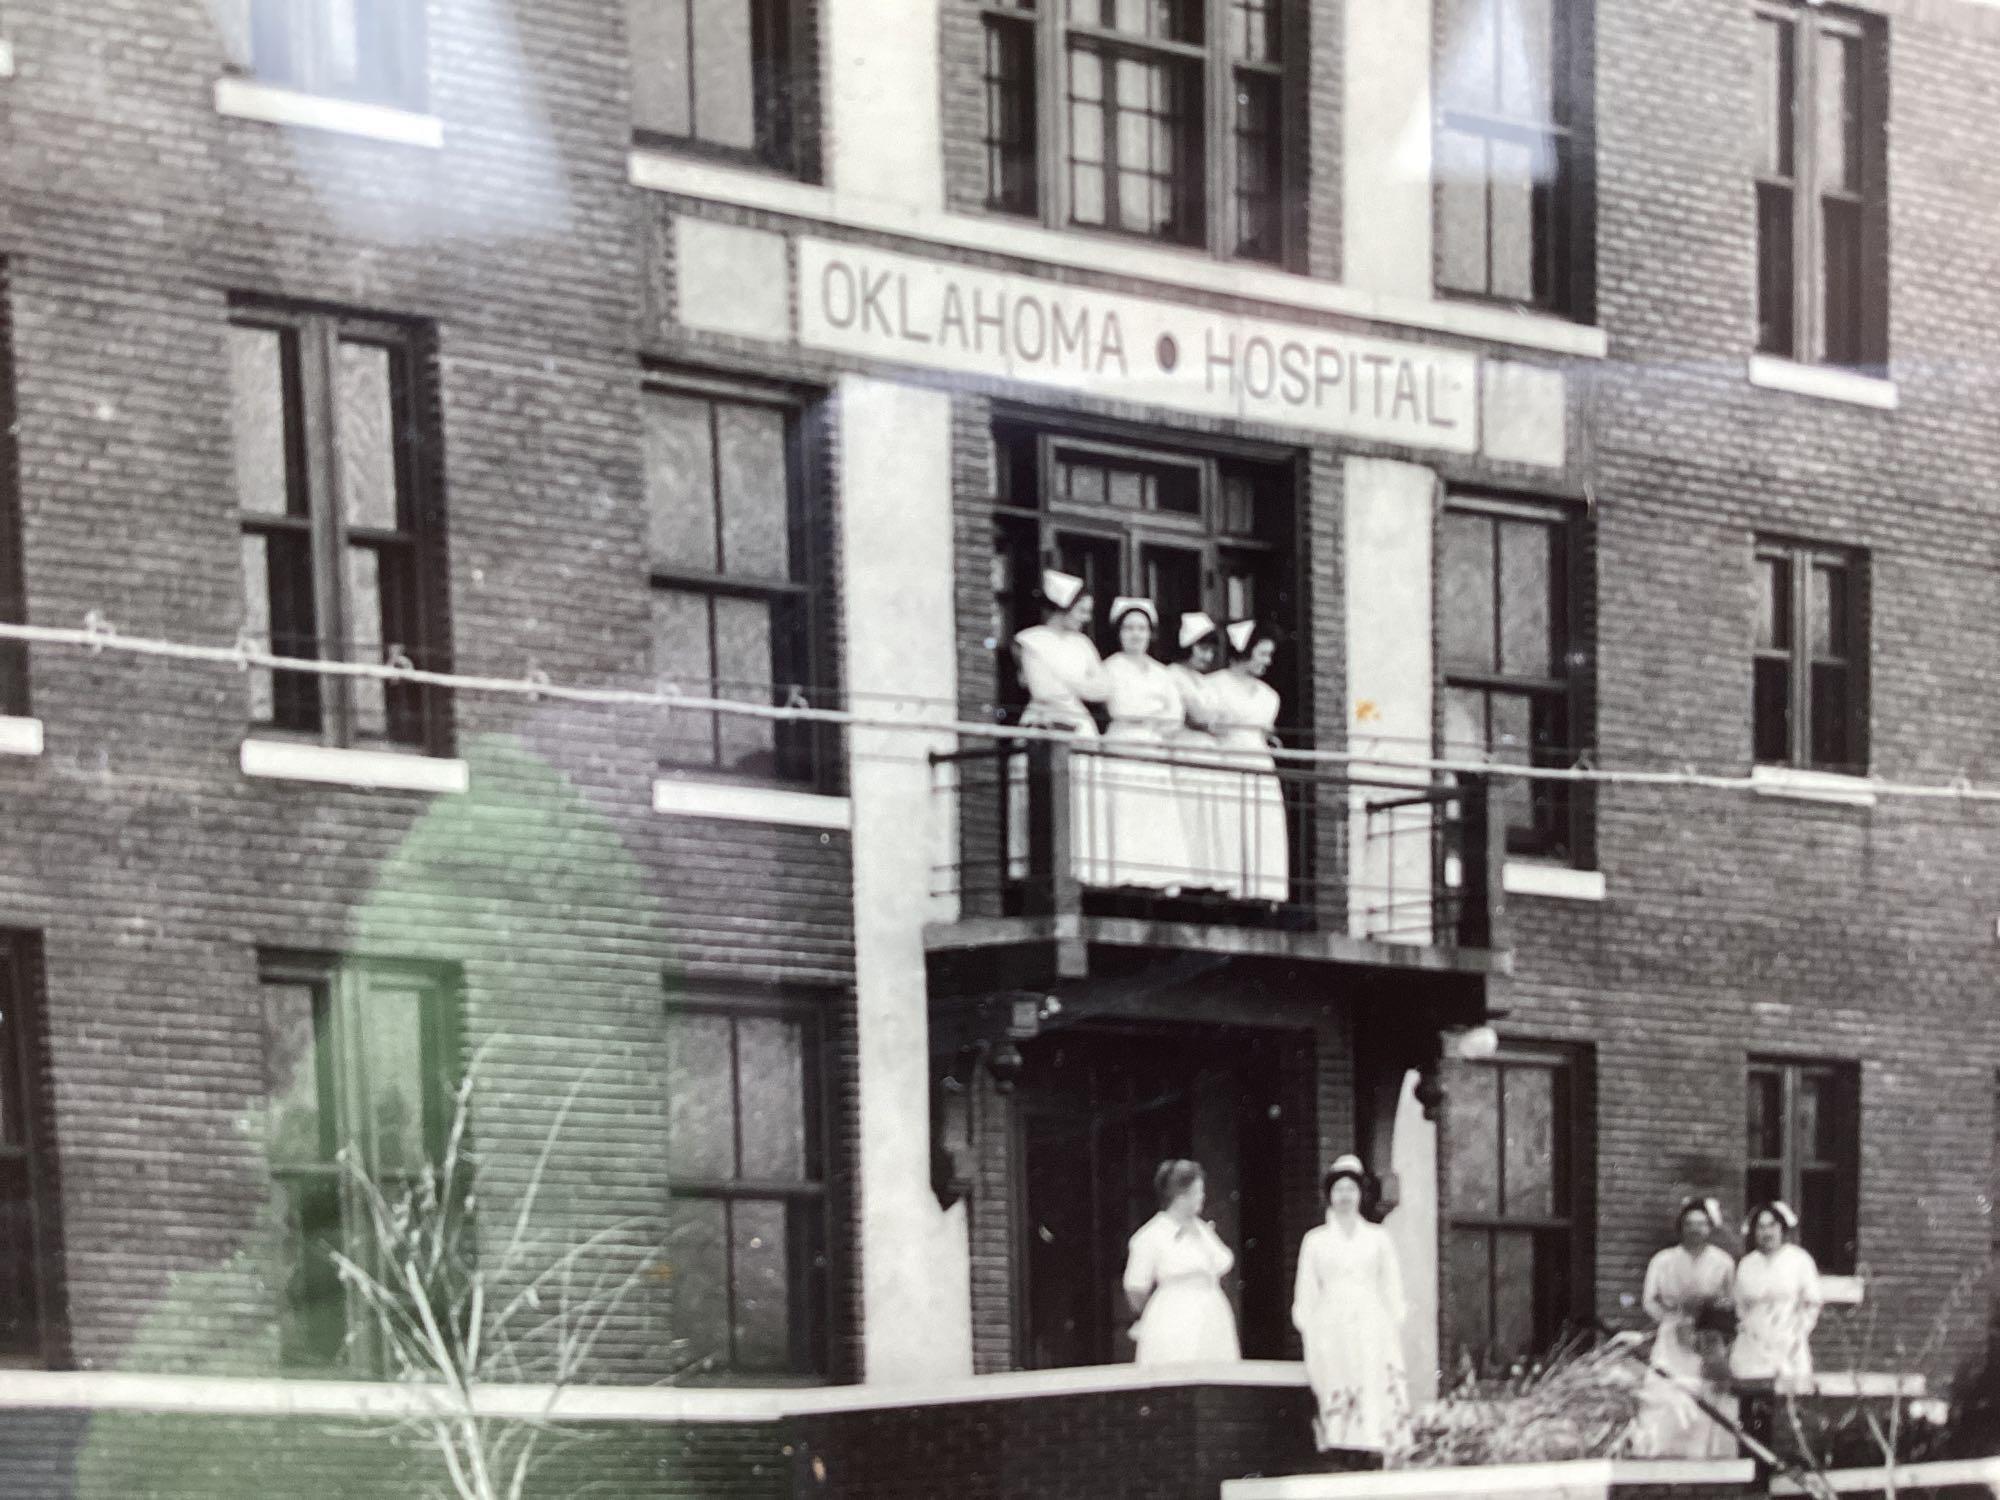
(1142, 1262)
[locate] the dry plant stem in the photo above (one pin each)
(448, 1325)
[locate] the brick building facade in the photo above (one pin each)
(1589, 382)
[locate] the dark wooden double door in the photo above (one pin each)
(1097, 1111)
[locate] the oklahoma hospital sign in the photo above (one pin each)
(882, 305)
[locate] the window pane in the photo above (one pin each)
(1766, 1096)
(1469, 78)
(1527, 35)
(1471, 1273)
(1776, 293)
(698, 1267)
(394, 1069)
(1514, 165)
(288, 620)
(763, 1271)
(1514, 1293)
(1774, 604)
(1461, 176)
(1011, 179)
(1464, 723)
(1832, 717)
(257, 364)
(1775, 94)
(1527, 626)
(745, 672)
(312, 1305)
(275, 49)
(1253, 30)
(364, 620)
(725, 85)
(1531, 1142)
(1510, 721)
(700, 1108)
(1827, 611)
(1816, 1130)
(682, 659)
(1846, 323)
(257, 620)
(1468, 625)
(680, 481)
(301, 1125)
(1474, 1114)
(756, 501)
(1824, 1217)
(367, 437)
(1771, 731)
(1763, 1184)
(658, 38)
(1837, 112)
(771, 1095)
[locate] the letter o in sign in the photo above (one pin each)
(1167, 352)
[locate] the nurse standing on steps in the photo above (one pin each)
(1173, 1277)
(1348, 1307)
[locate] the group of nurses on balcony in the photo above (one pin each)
(1180, 792)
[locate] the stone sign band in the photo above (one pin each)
(883, 305)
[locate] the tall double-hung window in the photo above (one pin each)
(363, 1065)
(369, 51)
(1159, 119)
(1516, 606)
(1822, 186)
(338, 496)
(1514, 153)
(726, 78)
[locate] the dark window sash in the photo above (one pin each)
(1210, 176)
(1820, 303)
(1822, 729)
(326, 706)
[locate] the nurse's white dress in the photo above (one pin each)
(1347, 1304)
(1204, 792)
(1670, 1424)
(1777, 1308)
(1137, 837)
(1179, 1269)
(1063, 675)
(1256, 853)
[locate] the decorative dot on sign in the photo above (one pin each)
(1167, 352)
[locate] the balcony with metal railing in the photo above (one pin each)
(1051, 864)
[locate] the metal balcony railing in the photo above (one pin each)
(1051, 828)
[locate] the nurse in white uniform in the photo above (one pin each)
(1138, 839)
(1174, 1267)
(1063, 674)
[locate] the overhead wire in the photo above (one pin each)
(928, 716)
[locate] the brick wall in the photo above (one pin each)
(80, 1455)
(154, 872)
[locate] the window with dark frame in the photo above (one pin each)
(719, 76)
(748, 1221)
(342, 528)
(1822, 196)
(31, 1315)
(370, 51)
(728, 498)
(1803, 1144)
(1810, 700)
(13, 593)
(1120, 95)
(1513, 152)
(1188, 530)
(1518, 1275)
(362, 1057)
(1512, 579)
(1012, 134)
